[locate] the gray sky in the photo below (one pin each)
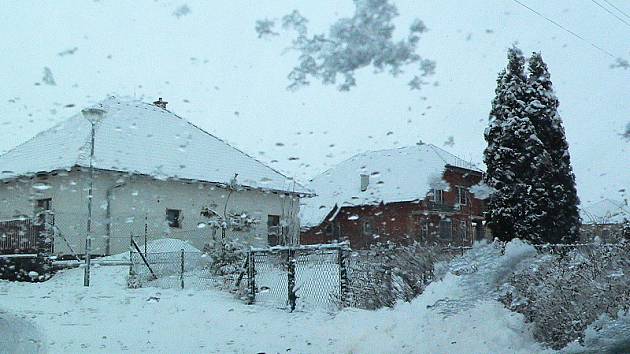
(215, 72)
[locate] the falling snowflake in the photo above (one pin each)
(48, 78)
(181, 11)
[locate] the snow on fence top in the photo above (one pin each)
(141, 138)
(393, 175)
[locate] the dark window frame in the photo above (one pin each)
(446, 234)
(273, 230)
(43, 204)
(462, 194)
(434, 195)
(174, 218)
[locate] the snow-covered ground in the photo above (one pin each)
(18, 335)
(109, 317)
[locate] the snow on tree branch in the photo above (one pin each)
(620, 63)
(264, 28)
(353, 43)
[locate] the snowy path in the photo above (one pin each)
(18, 335)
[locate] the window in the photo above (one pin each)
(273, 230)
(446, 231)
(368, 228)
(463, 230)
(437, 196)
(173, 217)
(420, 227)
(462, 195)
(333, 231)
(43, 204)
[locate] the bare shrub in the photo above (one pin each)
(387, 273)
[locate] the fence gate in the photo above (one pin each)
(298, 277)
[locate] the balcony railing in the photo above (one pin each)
(441, 206)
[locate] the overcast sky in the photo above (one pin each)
(215, 72)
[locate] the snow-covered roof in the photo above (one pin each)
(141, 138)
(605, 211)
(395, 175)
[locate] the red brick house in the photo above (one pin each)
(416, 193)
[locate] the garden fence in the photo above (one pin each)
(298, 277)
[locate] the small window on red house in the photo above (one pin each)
(437, 196)
(462, 195)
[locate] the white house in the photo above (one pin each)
(154, 174)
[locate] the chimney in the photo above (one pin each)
(160, 103)
(365, 180)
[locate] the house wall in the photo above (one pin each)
(402, 222)
(131, 202)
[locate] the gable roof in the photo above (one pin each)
(395, 175)
(140, 138)
(605, 211)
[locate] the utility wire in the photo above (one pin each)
(612, 13)
(616, 8)
(567, 30)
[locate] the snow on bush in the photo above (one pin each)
(227, 257)
(564, 297)
(562, 294)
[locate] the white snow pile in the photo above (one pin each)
(157, 246)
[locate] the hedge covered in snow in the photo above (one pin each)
(563, 293)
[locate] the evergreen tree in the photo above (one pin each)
(561, 222)
(515, 158)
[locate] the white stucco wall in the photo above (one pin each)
(135, 199)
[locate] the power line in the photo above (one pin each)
(616, 8)
(612, 13)
(567, 30)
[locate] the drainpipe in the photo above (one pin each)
(108, 215)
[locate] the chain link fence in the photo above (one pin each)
(298, 277)
(168, 263)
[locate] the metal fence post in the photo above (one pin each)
(251, 277)
(343, 277)
(86, 274)
(181, 276)
(130, 254)
(291, 278)
(145, 234)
